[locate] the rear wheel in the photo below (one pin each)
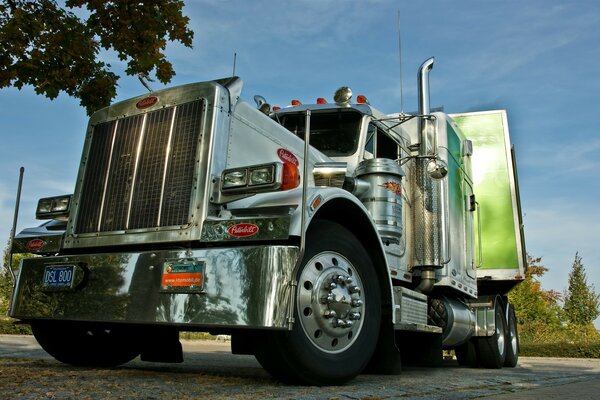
(492, 350)
(512, 342)
(86, 346)
(337, 313)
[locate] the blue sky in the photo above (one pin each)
(536, 59)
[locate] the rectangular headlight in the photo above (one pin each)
(234, 178)
(252, 179)
(53, 207)
(264, 175)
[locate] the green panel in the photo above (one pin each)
(493, 187)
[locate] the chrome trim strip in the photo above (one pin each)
(135, 169)
(108, 169)
(167, 154)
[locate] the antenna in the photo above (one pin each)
(234, 59)
(400, 57)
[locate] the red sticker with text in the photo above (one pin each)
(35, 244)
(243, 230)
(287, 157)
(147, 102)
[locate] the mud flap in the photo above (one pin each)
(386, 359)
(162, 345)
(420, 349)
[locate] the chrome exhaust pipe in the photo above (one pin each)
(423, 80)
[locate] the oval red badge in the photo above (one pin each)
(287, 157)
(242, 230)
(35, 244)
(146, 102)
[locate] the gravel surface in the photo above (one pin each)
(211, 372)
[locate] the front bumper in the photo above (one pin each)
(243, 287)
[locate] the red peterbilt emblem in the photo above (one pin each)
(243, 230)
(393, 187)
(147, 102)
(287, 157)
(35, 244)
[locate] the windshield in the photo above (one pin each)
(334, 132)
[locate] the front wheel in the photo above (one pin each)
(86, 346)
(337, 314)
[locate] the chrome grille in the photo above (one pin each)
(140, 171)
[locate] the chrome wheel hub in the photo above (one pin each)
(330, 302)
(501, 339)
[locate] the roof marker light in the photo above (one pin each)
(321, 100)
(360, 99)
(296, 103)
(276, 108)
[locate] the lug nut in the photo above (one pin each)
(339, 323)
(349, 280)
(354, 289)
(354, 315)
(330, 314)
(327, 299)
(356, 303)
(332, 286)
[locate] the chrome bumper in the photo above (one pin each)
(243, 287)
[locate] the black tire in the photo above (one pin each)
(466, 354)
(492, 350)
(85, 346)
(323, 348)
(512, 336)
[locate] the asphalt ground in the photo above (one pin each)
(210, 371)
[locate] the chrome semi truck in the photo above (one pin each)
(327, 239)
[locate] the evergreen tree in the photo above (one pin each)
(581, 302)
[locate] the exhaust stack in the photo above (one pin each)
(424, 108)
(423, 78)
(427, 210)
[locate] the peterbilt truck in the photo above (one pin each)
(327, 239)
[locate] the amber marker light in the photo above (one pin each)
(360, 99)
(290, 177)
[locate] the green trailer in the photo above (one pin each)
(501, 256)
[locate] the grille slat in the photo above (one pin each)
(152, 163)
(114, 213)
(109, 196)
(95, 171)
(180, 172)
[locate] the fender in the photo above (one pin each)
(338, 205)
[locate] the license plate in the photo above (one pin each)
(184, 275)
(59, 277)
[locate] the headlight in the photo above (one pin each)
(262, 175)
(53, 207)
(253, 179)
(234, 178)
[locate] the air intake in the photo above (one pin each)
(139, 171)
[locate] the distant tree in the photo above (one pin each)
(538, 311)
(581, 302)
(50, 48)
(5, 279)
